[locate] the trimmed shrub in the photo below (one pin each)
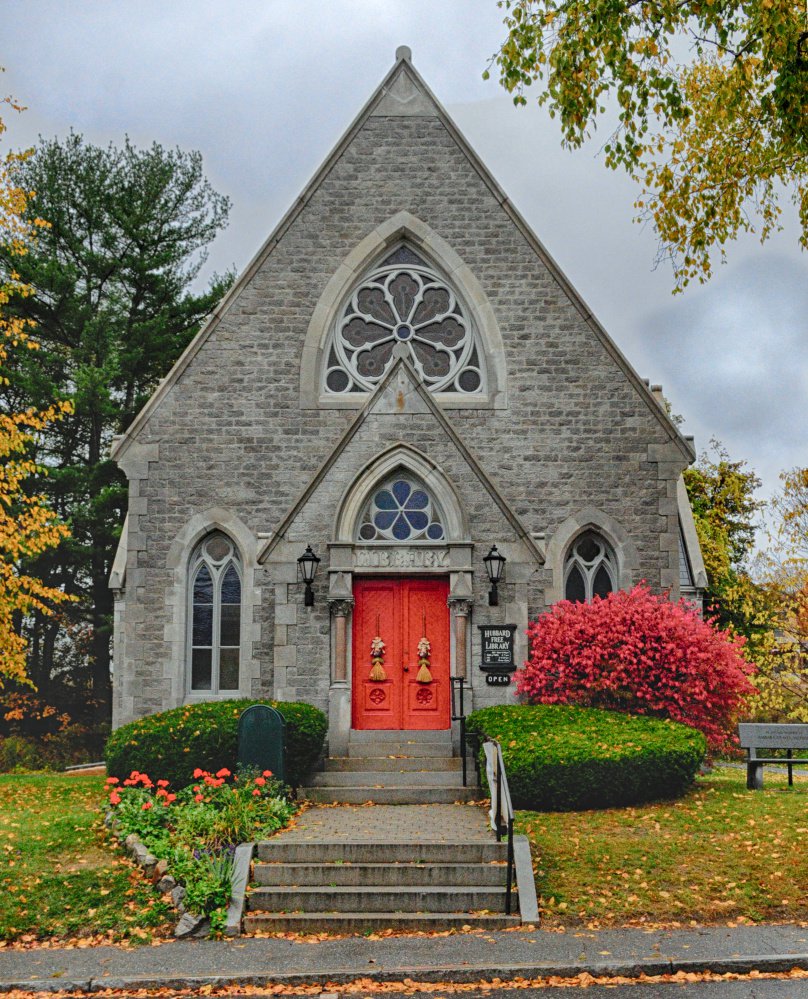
(560, 758)
(640, 653)
(172, 744)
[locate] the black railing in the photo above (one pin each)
(459, 715)
(501, 807)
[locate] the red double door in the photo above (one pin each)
(401, 612)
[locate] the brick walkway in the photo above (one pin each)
(391, 824)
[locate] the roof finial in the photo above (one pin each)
(403, 53)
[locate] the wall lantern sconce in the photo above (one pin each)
(307, 569)
(494, 565)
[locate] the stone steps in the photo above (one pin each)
(353, 886)
(393, 768)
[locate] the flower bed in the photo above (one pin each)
(192, 834)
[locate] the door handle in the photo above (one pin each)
(406, 669)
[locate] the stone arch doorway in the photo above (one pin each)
(401, 536)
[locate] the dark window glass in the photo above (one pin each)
(203, 587)
(575, 590)
(602, 585)
(228, 669)
(203, 624)
(231, 587)
(201, 669)
(231, 619)
(588, 549)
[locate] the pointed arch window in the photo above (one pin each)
(215, 579)
(590, 569)
(402, 510)
(403, 300)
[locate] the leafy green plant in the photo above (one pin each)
(197, 829)
(174, 743)
(563, 758)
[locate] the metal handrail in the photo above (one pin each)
(459, 715)
(502, 813)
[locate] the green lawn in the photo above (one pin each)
(61, 876)
(721, 853)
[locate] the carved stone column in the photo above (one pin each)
(460, 616)
(341, 609)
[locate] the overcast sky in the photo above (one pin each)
(265, 89)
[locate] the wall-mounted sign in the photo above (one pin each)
(496, 641)
(497, 679)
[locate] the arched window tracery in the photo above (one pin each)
(215, 585)
(590, 568)
(403, 300)
(401, 510)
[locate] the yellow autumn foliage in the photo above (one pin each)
(27, 525)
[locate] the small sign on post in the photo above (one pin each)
(262, 740)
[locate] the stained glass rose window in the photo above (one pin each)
(404, 301)
(402, 510)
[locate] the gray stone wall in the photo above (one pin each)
(230, 433)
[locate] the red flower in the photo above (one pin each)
(256, 793)
(198, 797)
(199, 773)
(145, 806)
(112, 780)
(260, 781)
(162, 783)
(114, 798)
(224, 772)
(267, 773)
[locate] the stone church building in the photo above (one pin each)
(400, 381)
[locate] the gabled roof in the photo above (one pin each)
(402, 391)
(402, 92)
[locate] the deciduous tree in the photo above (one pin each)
(117, 300)
(706, 103)
(28, 526)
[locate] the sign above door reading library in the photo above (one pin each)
(401, 558)
(496, 642)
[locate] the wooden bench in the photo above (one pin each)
(754, 737)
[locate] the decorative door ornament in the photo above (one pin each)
(377, 673)
(424, 652)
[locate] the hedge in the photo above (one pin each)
(172, 744)
(563, 758)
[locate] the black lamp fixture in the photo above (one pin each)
(307, 567)
(494, 564)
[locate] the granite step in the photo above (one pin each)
(361, 922)
(359, 794)
(357, 737)
(410, 750)
(382, 875)
(387, 778)
(323, 852)
(371, 898)
(339, 764)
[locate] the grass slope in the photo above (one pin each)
(60, 876)
(720, 853)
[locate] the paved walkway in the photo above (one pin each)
(461, 957)
(390, 824)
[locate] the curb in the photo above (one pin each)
(773, 963)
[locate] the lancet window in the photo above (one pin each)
(215, 612)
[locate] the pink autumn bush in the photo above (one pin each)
(639, 653)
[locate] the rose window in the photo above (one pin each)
(403, 301)
(401, 511)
